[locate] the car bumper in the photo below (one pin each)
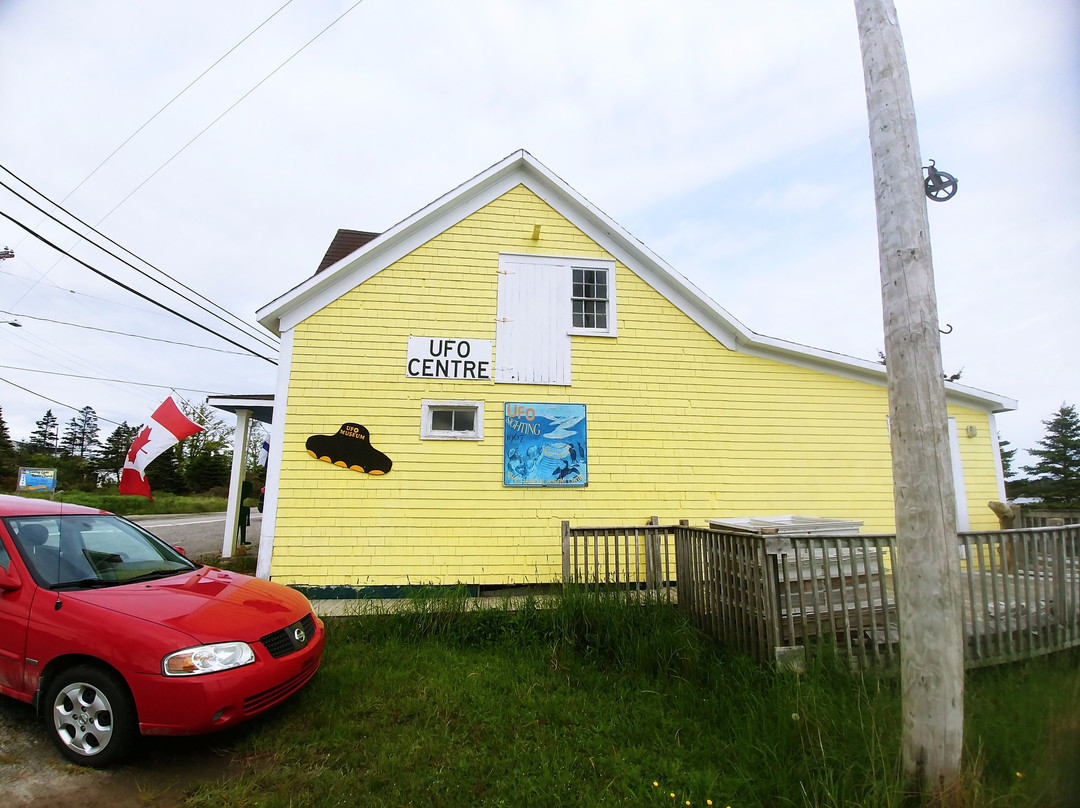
(191, 705)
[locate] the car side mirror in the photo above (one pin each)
(9, 581)
(180, 550)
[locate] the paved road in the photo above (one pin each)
(198, 533)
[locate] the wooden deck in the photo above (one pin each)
(1020, 588)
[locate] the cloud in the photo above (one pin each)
(729, 137)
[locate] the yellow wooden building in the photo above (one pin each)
(508, 357)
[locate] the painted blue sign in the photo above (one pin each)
(36, 480)
(545, 445)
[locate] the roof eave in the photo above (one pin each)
(271, 315)
(300, 302)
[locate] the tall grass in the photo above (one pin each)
(586, 700)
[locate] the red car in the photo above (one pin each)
(111, 633)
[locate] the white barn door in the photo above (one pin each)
(532, 340)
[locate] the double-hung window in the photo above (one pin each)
(589, 302)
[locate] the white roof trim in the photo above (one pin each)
(521, 168)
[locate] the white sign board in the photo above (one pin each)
(441, 358)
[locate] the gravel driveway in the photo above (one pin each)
(160, 772)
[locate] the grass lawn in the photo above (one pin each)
(138, 506)
(593, 702)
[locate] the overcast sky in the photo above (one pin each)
(730, 137)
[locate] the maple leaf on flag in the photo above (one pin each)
(139, 445)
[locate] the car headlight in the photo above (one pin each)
(208, 658)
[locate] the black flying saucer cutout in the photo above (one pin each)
(349, 448)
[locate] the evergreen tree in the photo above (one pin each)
(163, 473)
(1015, 486)
(114, 451)
(206, 470)
(1056, 473)
(207, 455)
(44, 437)
(69, 442)
(1008, 454)
(81, 434)
(7, 449)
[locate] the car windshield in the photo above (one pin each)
(88, 550)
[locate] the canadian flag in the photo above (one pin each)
(168, 426)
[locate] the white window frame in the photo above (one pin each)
(609, 301)
(428, 406)
(609, 269)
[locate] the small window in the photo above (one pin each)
(452, 420)
(590, 298)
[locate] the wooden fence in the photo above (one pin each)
(764, 594)
(1036, 516)
(638, 558)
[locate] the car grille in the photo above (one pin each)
(291, 638)
(271, 696)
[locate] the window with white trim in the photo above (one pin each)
(589, 302)
(452, 420)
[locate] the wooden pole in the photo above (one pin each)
(927, 564)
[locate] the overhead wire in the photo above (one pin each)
(121, 333)
(170, 102)
(53, 400)
(170, 159)
(144, 182)
(102, 379)
(124, 261)
(47, 351)
(110, 301)
(64, 358)
(44, 350)
(134, 291)
(155, 115)
(231, 107)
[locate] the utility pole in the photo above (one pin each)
(927, 566)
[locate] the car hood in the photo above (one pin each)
(208, 604)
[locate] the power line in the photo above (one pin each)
(122, 333)
(136, 292)
(43, 280)
(150, 120)
(101, 379)
(155, 115)
(163, 285)
(230, 109)
(157, 171)
(52, 356)
(65, 358)
(53, 400)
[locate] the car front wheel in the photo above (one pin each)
(91, 716)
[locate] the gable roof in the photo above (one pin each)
(521, 168)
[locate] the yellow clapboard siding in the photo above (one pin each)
(678, 426)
